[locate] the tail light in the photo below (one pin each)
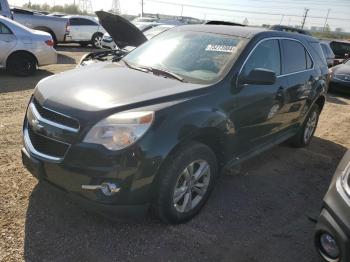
(67, 28)
(49, 42)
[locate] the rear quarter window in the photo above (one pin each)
(296, 57)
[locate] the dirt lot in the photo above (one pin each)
(259, 215)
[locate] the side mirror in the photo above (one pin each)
(260, 76)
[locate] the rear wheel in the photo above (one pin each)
(96, 40)
(308, 128)
(185, 183)
(21, 64)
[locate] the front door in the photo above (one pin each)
(259, 115)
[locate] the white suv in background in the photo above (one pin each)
(84, 30)
(23, 49)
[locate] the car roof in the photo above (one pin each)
(244, 31)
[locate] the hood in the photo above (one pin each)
(342, 69)
(104, 86)
(121, 30)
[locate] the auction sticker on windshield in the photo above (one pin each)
(220, 48)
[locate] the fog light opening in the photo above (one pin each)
(329, 247)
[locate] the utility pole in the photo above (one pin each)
(182, 10)
(305, 15)
(281, 19)
(141, 8)
(325, 23)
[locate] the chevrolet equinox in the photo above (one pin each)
(153, 130)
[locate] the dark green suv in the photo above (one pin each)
(153, 130)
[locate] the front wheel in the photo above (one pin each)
(185, 183)
(308, 128)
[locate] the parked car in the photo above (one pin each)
(341, 49)
(290, 29)
(84, 30)
(57, 27)
(154, 130)
(332, 237)
(340, 78)
(328, 53)
(23, 49)
(107, 39)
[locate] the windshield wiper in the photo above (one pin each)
(156, 71)
(164, 72)
(142, 69)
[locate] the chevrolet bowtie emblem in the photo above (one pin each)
(36, 125)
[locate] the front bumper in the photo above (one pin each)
(68, 181)
(335, 219)
(339, 86)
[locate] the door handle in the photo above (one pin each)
(6, 41)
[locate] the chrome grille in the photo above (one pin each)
(55, 117)
(47, 146)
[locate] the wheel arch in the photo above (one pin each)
(19, 52)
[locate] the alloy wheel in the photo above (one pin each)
(191, 186)
(310, 126)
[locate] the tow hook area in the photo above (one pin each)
(107, 189)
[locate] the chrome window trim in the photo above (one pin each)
(281, 48)
(31, 150)
(49, 122)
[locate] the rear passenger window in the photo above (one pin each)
(296, 58)
(267, 56)
(4, 29)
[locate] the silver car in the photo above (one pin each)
(84, 30)
(23, 49)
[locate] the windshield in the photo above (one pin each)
(195, 56)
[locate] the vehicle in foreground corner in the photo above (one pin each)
(153, 130)
(332, 237)
(340, 78)
(23, 49)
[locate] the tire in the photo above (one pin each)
(305, 134)
(175, 187)
(21, 64)
(96, 40)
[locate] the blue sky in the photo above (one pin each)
(262, 11)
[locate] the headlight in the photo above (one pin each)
(345, 179)
(120, 130)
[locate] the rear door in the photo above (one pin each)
(298, 67)
(259, 118)
(82, 29)
(7, 42)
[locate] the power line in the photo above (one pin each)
(245, 11)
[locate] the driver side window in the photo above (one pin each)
(266, 55)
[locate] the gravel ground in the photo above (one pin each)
(261, 214)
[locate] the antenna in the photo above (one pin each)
(85, 6)
(116, 7)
